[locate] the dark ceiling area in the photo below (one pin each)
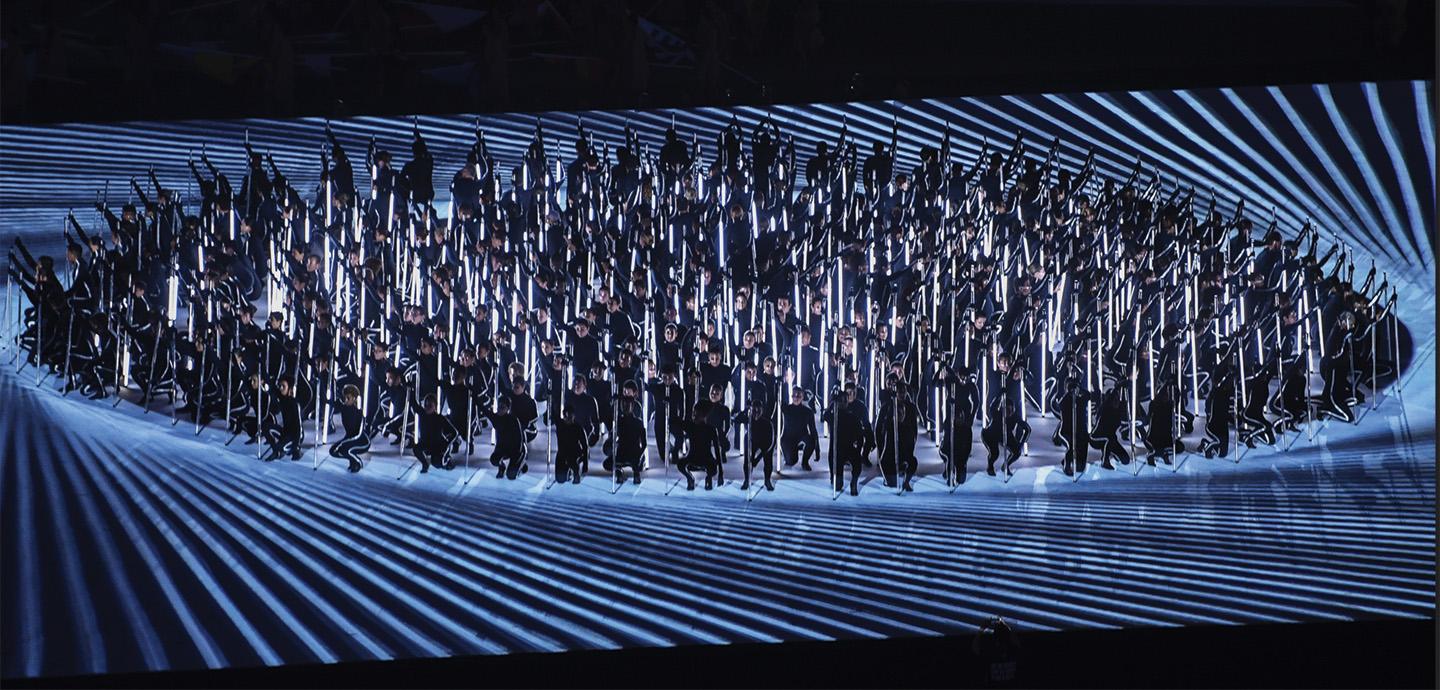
(65, 60)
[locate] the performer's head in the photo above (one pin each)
(769, 365)
(717, 393)
(350, 394)
(804, 335)
(714, 356)
(797, 395)
(430, 404)
(578, 386)
(285, 387)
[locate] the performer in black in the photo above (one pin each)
(432, 444)
(761, 452)
(896, 430)
(630, 438)
(510, 448)
(356, 442)
(799, 433)
(282, 428)
(849, 439)
(964, 402)
(1007, 426)
(702, 447)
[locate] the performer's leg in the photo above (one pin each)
(887, 463)
(497, 460)
(292, 445)
(750, 459)
(274, 440)
(512, 462)
(768, 458)
(1017, 439)
(812, 451)
(689, 477)
(964, 439)
(1117, 447)
(423, 454)
(790, 447)
(990, 436)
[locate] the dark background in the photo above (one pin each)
(1388, 654)
(65, 60)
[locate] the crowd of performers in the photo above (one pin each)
(720, 307)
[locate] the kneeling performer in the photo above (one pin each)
(356, 441)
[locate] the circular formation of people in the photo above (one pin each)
(721, 305)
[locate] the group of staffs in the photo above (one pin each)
(730, 303)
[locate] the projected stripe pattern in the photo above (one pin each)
(139, 548)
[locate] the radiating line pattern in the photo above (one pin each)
(131, 545)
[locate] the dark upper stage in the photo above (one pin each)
(69, 60)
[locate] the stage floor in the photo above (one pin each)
(133, 545)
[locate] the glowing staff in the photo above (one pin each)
(1044, 355)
